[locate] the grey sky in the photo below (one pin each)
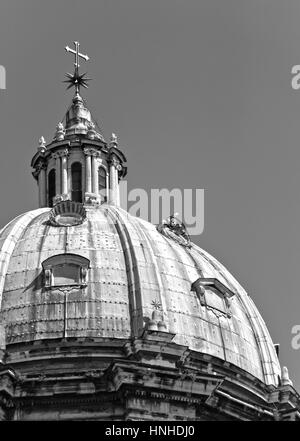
(200, 96)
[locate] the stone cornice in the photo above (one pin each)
(62, 153)
(118, 153)
(58, 144)
(90, 151)
(49, 150)
(94, 143)
(150, 369)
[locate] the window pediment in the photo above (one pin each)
(214, 295)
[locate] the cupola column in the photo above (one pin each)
(57, 173)
(42, 185)
(107, 186)
(114, 184)
(64, 166)
(115, 167)
(95, 173)
(88, 171)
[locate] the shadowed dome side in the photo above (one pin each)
(132, 266)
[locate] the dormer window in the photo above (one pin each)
(213, 294)
(65, 270)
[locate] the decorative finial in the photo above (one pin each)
(42, 144)
(285, 379)
(60, 132)
(113, 140)
(76, 80)
(157, 322)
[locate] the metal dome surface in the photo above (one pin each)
(132, 265)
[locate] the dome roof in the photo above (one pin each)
(132, 267)
(78, 121)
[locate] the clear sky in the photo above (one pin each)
(199, 93)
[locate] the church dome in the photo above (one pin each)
(131, 268)
(104, 316)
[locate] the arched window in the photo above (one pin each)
(51, 187)
(102, 183)
(76, 173)
(65, 270)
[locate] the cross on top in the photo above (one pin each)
(77, 54)
(76, 80)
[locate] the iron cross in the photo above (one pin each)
(77, 54)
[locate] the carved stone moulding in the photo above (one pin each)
(90, 151)
(67, 213)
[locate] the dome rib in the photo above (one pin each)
(10, 241)
(158, 279)
(134, 282)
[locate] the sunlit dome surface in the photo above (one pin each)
(132, 265)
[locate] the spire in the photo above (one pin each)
(78, 119)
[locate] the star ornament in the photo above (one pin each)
(76, 80)
(156, 304)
